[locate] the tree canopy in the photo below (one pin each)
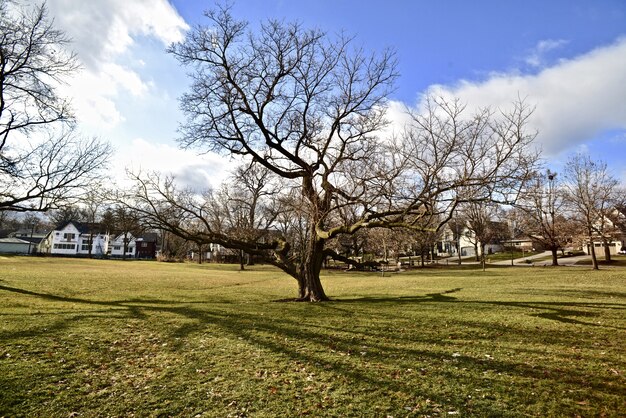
(310, 110)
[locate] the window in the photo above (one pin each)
(144, 244)
(85, 247)
(117, 247)
(64, 246)
(68, 236)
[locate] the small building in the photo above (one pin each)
(15, 246)
(146, 246)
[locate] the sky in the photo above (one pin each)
(567, 58)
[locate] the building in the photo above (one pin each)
(142, 247)
(13, 245)
(146, 246)
(75, 238)
(117, 245)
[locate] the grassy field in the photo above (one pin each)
(87, 338)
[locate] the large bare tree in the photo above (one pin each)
(310, 109)
(42, 161)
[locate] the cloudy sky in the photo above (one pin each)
(566, 57)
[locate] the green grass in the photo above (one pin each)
(111, 338)
(506, 256)
(616, 261)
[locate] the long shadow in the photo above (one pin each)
(234, 324)
(429, 297)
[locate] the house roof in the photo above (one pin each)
(84, 227)
(24, 232)
(148, 237)
(13, 241)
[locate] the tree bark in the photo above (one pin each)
(555, 260)
(607, 252)
(309, 283)
(592, 250)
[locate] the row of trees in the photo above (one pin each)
(306, 114)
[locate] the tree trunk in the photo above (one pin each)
(592, 250)
(607, 252)
(483, 258)
(124, 247)
(555, 260)
(476, 251)
(309, 283)
(241, 260)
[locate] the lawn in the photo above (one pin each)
(87, 338)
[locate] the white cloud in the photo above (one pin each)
(102, 34)
(576, 100)
(537, 55)
(103, 29)
(198, 172)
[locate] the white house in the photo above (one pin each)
(466, 241)
(116, 246)
(614, 227)
(75, 238)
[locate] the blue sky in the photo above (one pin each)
(568, 58)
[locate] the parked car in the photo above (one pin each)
(622, 252)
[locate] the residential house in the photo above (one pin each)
(524, 243)
(117, 244)
(75, 238)
(447, 246)
(614, 227)
(146, 246)
(141, 247)
(466, 243)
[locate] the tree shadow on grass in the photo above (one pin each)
(286, 336)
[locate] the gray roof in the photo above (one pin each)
(13, 241)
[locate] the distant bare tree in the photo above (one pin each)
(484, 220)
(43, 163)
(543, 210)
(64, 214)
(457, 225)
(592, 193)
(93, 201)
(128, 224)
